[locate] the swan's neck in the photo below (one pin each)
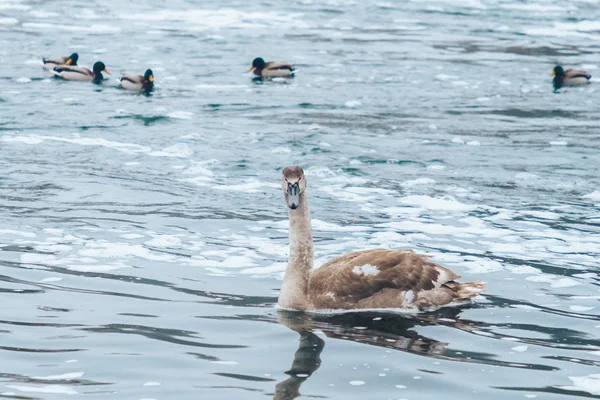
(294, 290)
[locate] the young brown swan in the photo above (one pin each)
(367, 279)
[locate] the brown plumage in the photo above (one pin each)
(368, 279)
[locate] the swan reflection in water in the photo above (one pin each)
(391, 331)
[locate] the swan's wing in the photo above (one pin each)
(356, 276)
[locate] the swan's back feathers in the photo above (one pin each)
(383, 278)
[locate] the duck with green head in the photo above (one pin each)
(71, 73)
(138, 82)
(271, 69)
(50, 63)
(569, 77)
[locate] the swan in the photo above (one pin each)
(361, 280)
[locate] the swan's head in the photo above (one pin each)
(293, 184)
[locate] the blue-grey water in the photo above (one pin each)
(143, 238)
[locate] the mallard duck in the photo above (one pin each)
(71, 73)
(271, 69)
(570, 77)
(50, 63)
(138, 82)
(361, 280)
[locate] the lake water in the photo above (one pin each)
(143, 238)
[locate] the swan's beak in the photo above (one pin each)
(553, 73)
(293, 196)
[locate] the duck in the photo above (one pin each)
(569, 77)
(49, 63)
(271, 69)
(74, 73)
(138, 82)
(363, 280)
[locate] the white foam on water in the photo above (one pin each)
(520, 349)
(96, 268)
(319, 225)
(444, 77)
(62, 377)
(436, 167)
(273, 269)
(595, 195)
(24, 80)
(589, 383)
(229, 262)
(564, 7)
(164, 241)
(219, 87)
(52, 279)
(94, 28)
(132, 236)
(558, 143)
(357, 383)
(180, 115)
(17, 233)
(251, 186)
(418, 182)
(152, 384)
(352, 104)
(580, 308)
(122, 250)
(177, 150)
(223, 362)
(49, 389)
(43, 14)
(201, 20)
(281, 150)
(444, 204)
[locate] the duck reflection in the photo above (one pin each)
(398, 332)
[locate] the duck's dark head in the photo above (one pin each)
(258, 63)
(558, 71)
(149, 76)
(72, 60)
(293, 184)
(99, 67)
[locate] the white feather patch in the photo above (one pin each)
(367, 270)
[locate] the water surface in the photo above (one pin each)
(143, 238)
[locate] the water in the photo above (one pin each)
(144, 238)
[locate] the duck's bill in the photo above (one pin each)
(69, 62)
(151, 78)
(553, 73)
(106, 71)
(293, 196)
(251, 69)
